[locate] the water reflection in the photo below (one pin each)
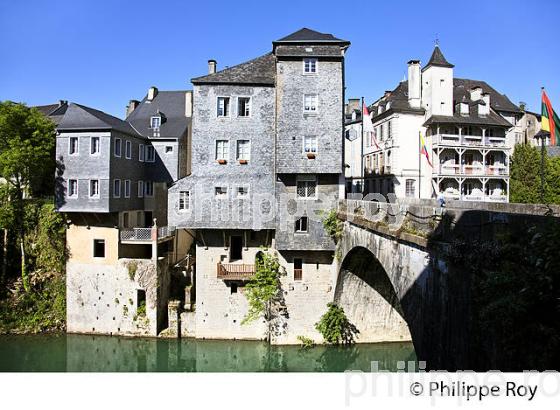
(85, 353)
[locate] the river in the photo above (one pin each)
(87, 353)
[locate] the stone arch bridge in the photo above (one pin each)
(394, 282)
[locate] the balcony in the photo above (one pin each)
(235, 271)
(145, 235)
(497, 170)
(449, 169)
(473, 169)
(468, 140)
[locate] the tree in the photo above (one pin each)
(27, 142)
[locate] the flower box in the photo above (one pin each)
(243, 161)
(222, 161)
(310, 155)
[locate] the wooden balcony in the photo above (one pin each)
(235, 271)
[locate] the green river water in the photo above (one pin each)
(85, 353)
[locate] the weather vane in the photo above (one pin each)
(437, 40)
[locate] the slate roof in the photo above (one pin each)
(259, 71)
(80, 117)
(437, 59)
(472, 119)
(171, 104)
(289, 50)
(53, 111)
(306, 35)
(499, 102)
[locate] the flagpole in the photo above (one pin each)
(542, 163)
(419, 165)
(362, 151)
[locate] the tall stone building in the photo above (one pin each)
(267, 160)
(469, 129)
(111, 183)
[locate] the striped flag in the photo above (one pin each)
(550, 121)
(424, 150)
(368, 125)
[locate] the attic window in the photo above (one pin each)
(155, 122)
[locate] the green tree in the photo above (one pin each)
(525, 181)
(27, 142)
(335, 326)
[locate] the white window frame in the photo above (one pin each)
(224, 155)
(304, 144)
(310, 59)
(307, 179)
(148, 189)
(128, 149)
(184, 204)
(249, 105)
(77, 152)
(75, 194)
(407, 192)
(140, 189)
(91, 181)
(223, 195)
(117, 193)
(119, 141)
(297, 221)
(141, 153)
(92, 145)
(150, 149)
(237, 152)
(224, 98)
(311, 111)
(158, 119)
(127, 188)
(246, 195)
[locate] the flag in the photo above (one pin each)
(368, 125)
(550, 121)
(424, 150)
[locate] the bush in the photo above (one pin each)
(333, 226)
(335, 326)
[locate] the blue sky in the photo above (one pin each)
(103, 53)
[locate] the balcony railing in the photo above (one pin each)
(478, 169)
(470, 140)
(235, 271)
(146, 234)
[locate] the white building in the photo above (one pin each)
(469, 129)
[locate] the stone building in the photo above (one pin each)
(267, 159)
(469, 129)
(111, 183)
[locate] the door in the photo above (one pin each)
(236, 245)
(148, 219)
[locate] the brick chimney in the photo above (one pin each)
(132, 105)
(212, 65)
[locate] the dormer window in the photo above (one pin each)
(155, 122)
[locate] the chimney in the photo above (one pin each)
(152, 92)
(414, 83)
(212, 64)
(62, 102)
(484, 109)
(188, 104)
(476, 93)
(132, 104)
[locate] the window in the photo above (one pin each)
(310, 103)
(298, 269)
(381, 127)
(94, 188)
(222, 149)
(389, 130)
(301, 224)
(223, 106)
(150, 153)
(243, 106)
(410, 188)
(126, 219)
(72, 188)
(118, 147)
(141, 153)
(149, 188)
(220, 192)
(168, 149)
(94, 145)
(140, 189)
(128, 149)
(233, 288)
(243, 149)
(309, 65)
(242, 191)
(309, 145)
(155, 122)
(99, 248)
(127, 188)
(73, 147)
(184, 200)
(306, 187)
(117, 188)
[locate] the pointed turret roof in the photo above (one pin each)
(437, 59)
